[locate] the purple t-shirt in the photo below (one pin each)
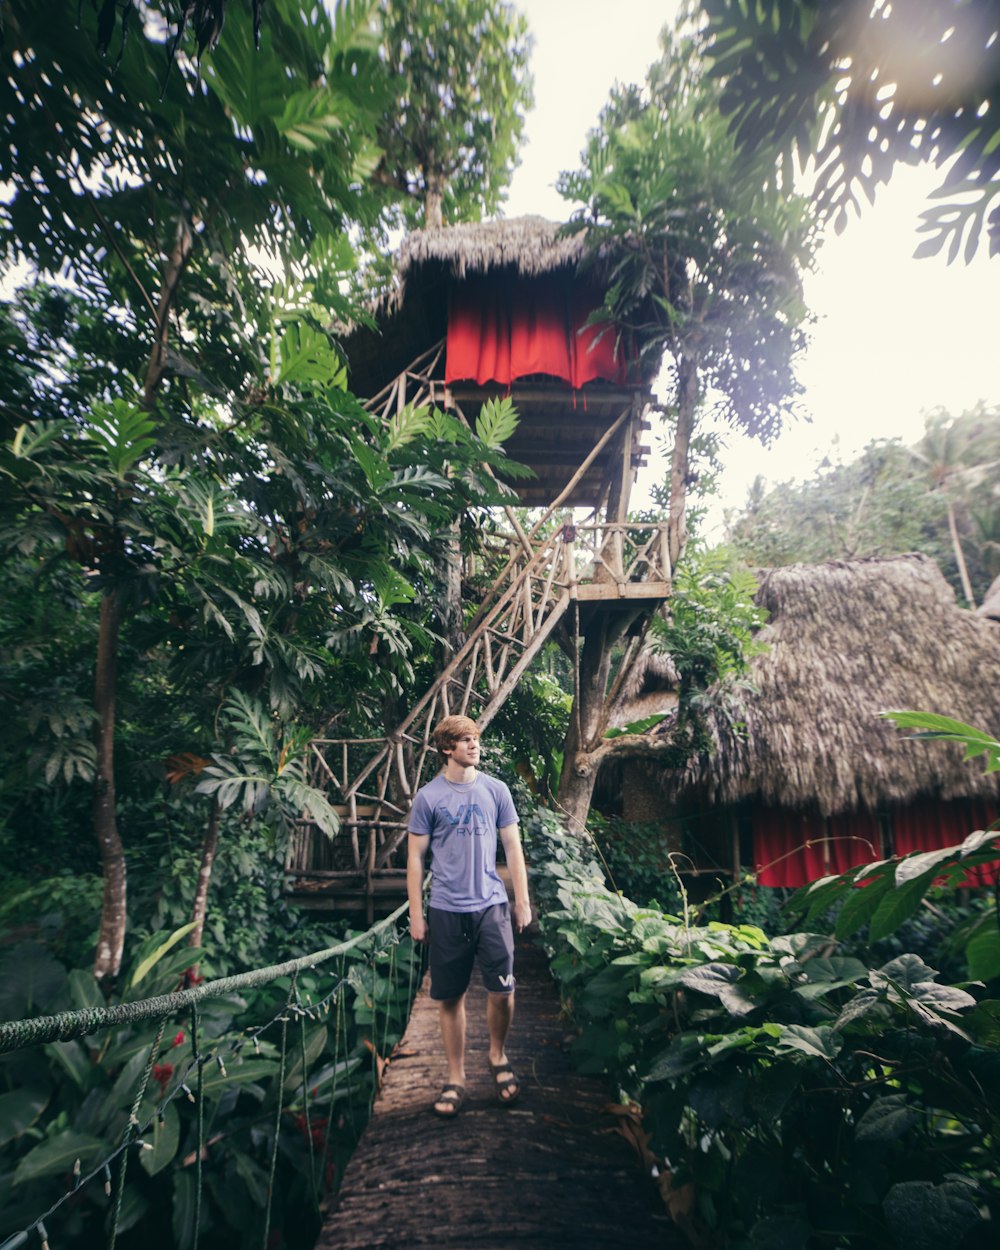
(462, 820)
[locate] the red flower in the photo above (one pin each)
(316, 1129)
(179, 1038)
(162, 1072)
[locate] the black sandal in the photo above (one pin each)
(453, 1103)
(507, 1083)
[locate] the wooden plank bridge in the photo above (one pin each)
(552, 1171)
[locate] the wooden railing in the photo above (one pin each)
(373, 780)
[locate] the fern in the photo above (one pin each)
(497, 421)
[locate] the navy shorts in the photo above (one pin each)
(460, 938)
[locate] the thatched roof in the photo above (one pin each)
(846, 641)
(649, 689)
(990, 606)
(529, 246)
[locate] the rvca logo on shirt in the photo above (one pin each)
(469, 819)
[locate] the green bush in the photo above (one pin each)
(812, 1099)
(71, 1101)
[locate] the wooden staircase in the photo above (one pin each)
(373, 780)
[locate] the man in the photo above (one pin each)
(457, 816)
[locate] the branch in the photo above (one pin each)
(626, 746)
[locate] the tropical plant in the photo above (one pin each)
(791, 1096)
(283, 1103)
(858, 88)
(935, 496)
(459, 71)
(701, 259)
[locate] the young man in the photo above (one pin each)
(457, 816)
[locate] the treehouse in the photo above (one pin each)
(507, 308)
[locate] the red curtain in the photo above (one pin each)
(932, 825)
(500, 329)
(792, 848)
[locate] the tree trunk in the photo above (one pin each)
(680, 462)
(111, 937)
(433, 202)
(589, 718)
(176, 264)
(208, 848)
(451, 609)
(956, 543)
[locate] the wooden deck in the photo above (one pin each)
(550, 1172)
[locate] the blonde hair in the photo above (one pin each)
(448, 731)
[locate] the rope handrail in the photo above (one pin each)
(68, 1025)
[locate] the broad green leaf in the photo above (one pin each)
(925, 1216)
(982, 839)
(897, 905)
(860, 1005)
(835, 970)
(182, 1217)
(134, 1207)
(860, 905)
(247, 1072)
(84, 990)
(253, 1176)
(407, 424)
(57, 1155)
(30, 979)
(887, 1119)
(19, 1110)
(822, 1042)
(947, 998)
(124, 431)
(920, 862)
(982, 953)
(906, 970)
(496, 422)
(165, 943)
(316, 1039)
(164, 1136)
(72, 1058)
(711, 978)
(944, 728)
(984, 1023)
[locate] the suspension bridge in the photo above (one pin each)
(557, 1169)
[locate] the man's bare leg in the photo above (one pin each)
(499, 1015)
(451, 1012)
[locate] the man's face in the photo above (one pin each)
(465, 752)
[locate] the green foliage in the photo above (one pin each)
(72, 1102)
(858, 88)
(888, 500)
(791, 1084)
(709, 633)
(458, 70)
(706, 254)
(263, 775)
(934, 728)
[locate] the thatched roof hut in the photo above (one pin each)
(807, 747)
(504, 307)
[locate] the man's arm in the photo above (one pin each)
(511, 838)
(415, 858)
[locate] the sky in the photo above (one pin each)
(894, 338)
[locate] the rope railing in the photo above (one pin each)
(211, 1054)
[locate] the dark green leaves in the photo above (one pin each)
(926, 1216)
